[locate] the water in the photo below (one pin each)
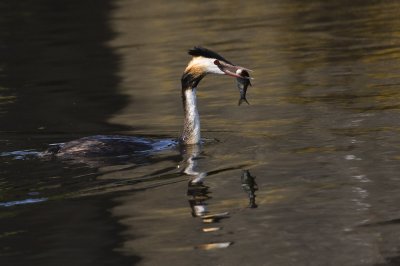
(320, 136)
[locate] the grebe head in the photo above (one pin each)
(205, 62)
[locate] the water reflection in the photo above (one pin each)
(249, 185)
(22, 202)
(214, 245)
(199, 194)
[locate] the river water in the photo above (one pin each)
(307, 174)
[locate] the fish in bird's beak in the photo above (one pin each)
(240, 73)
(230, 70)
(243, 81)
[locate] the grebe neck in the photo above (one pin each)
(191, 123)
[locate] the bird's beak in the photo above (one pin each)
(230, 70)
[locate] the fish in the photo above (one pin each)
(242, 84)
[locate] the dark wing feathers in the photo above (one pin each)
(204, 52)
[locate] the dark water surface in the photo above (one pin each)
(321, 135)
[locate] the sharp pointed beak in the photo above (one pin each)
(230, 70)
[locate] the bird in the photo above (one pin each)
(203, 62)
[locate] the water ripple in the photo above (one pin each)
(22, 202)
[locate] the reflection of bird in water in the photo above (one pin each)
(249, 185)
(204, 62)
(199, 195)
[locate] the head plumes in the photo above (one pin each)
(204, 52)
(205, 61)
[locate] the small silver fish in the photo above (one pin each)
(242, 84)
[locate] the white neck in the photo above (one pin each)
(191, 124)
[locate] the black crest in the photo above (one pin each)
(204, 52)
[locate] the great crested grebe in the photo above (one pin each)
(203, 62)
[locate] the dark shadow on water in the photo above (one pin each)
(57, 67)
(392, 261)
(70, 232)
(58, 79)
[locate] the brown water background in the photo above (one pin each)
(321, 135)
